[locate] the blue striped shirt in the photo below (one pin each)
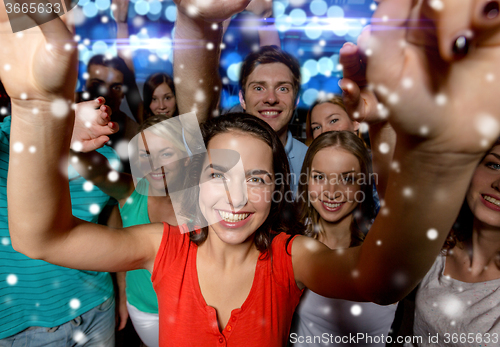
(34, 292)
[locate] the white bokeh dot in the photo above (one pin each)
(441, 99)
(24, 96)
(32, 149)
(379, 242)
(210, 46)
(18, 147)
(437, 5)
(113, 176)
(384, 148)
(432, 234)
(407, 192)
(5, 241)
(11, 279)
(77, 146)
(74, 304)
(363, 127)
(79, 337)
(88, 186)
(407, 82)
(356, 310)
(59, 108)
(7, 67)
(94, 209)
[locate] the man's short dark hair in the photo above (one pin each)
(268, 55)
(116, 63)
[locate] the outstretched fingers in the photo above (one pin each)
(386, 45)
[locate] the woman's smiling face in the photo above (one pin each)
(483, 195)
(236, 186)
(160, 161)
(333, 183)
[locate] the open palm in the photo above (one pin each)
(38, 63)
(429, 92)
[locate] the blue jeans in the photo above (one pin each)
(95, 328)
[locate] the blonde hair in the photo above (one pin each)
(332, 99)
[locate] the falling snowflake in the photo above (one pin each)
(121, 148)
(424, 130)
(407, 192)
(79, 337)
(451, 306)
(18, 147)
(487, 126)
(432, 234)
(74, 304)
(7, 67)
(379, 242)
(441, 99)
(384, 148)
(94, 209)
(59, 108)
(11, 279)
(5, 241)
(88, 186)
(77, 146)
(24, 96)
(437, 5)
(113, 176)
(363, 127)
(373, 6)
(210, 46)
(393, 98)
(407, 82)
(356, 310)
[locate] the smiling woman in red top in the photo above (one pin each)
(232, 270)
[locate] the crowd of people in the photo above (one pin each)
(225, 230)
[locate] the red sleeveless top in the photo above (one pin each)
(264, 319)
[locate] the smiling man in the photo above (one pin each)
(269, 83)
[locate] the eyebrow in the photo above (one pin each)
(216, 167)
(343, 173)
(258, 172)
(160, 151)
(495, 155)
(247, 173)
(265, 83)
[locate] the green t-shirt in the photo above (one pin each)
(140, 292)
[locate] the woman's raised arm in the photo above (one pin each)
(40, 80)
(441, 102)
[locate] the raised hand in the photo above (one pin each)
(211, 10)
(92, 125)
(120, 10)
(261, 8)
(439, 84)
(360, 101)
(36, 66)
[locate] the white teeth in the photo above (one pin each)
(492, 200)
(270, 113)
(331, 205)
(233, 217)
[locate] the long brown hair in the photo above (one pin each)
(365, 211)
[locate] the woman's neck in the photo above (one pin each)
(338, 234)
(484, 247)
(227, 255)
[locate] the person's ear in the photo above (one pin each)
(356, 125)
(242, 100)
